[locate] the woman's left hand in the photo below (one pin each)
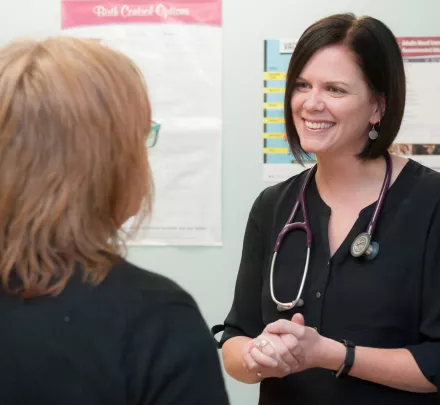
(304, 343)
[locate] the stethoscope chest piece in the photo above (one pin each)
(363, 246)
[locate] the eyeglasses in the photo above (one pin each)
(153, 135)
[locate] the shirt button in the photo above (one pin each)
(318, 295)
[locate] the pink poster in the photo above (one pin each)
(178, 47)
(419, 135)
(419, 48)
(77, 13)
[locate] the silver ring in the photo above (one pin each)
(263, 343)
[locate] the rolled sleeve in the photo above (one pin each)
(427, 352)
(427, 357)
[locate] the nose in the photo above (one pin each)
(313, 101)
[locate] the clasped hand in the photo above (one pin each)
(284, 347)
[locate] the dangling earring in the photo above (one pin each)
(373, 134)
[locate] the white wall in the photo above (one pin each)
(209, 273)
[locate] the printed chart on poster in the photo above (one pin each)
(177, 46)
(419, 136)
(279, 163)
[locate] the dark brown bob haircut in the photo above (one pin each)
(379, 57)
(74, 116)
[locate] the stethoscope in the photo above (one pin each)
(361, 246)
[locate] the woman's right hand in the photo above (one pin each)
(268, 355)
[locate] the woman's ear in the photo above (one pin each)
(379, 109)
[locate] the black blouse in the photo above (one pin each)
(392, 301)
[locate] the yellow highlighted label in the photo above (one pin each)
(273, 106)
(276, 150)
(274, 135)
(274, 76)
(270, 90)
(270, 120)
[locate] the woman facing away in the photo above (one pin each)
(81, 325)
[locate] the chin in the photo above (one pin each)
(313, 147)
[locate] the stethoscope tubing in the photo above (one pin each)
(305, 226)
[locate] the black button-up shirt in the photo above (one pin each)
(392, 301)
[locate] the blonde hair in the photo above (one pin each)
(74, 116)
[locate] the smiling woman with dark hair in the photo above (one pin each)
(336, 300)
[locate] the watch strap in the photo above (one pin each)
(349, 359)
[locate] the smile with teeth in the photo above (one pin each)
(318, 125)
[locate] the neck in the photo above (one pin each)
(347, 175)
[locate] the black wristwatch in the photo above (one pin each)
(349, 359)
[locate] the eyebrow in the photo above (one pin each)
(332, 82)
